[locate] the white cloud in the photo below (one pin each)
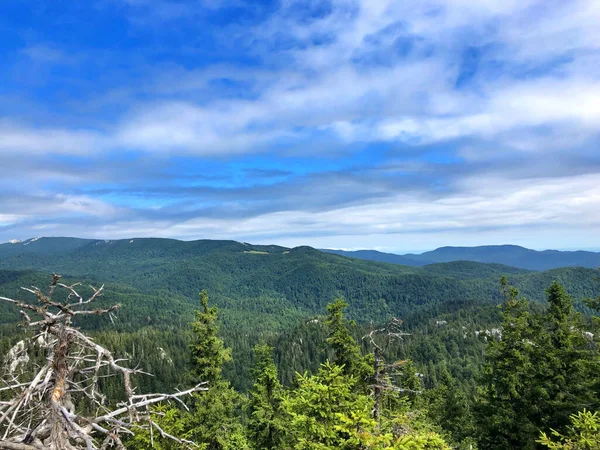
(31, 207)
(322, 89)
(414, 99)
(490, 210)
(567, 104)
(9, 219)
(18, 139)
(537, 69)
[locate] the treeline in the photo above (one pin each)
(451, 376)
(264, 287)
(538, 387)
(541, 371)
(334, 408)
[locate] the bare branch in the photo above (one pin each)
(380, 340)
(41, 413)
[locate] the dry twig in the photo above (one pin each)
(380, 340)
(43, 413)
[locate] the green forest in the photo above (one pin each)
(305, 350)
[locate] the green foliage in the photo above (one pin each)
(212, 421)
(567, 366)
(540, 372)
(169, 420)
(448, 406)
(543, 370)
(265, 291)
(504, 409)
(347, 353)
(583, 434)
(266, 422)
(326, 413)
(408, 380)
(208, 352)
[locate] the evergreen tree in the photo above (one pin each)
(214, 421)
(503, 410)
(593, 339)
(326, 414)
(449, 408)
(207, 351)
(347, 352)
(541, 372)
(583, 434)
(266, 424)
(571, 367)
(408, 381)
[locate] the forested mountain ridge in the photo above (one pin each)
(265, 290)
(507, 255)
(432, 392)
(374, 255)
(511, 255)
(280, 296)
(273, 286)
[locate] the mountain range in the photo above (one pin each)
(262, 291)
(271, 286)
(510, 255)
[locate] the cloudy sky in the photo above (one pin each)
(396, 125)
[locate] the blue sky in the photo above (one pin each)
(400, 126)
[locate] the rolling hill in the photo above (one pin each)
(271, 286)
(510, 255)
(263, 292)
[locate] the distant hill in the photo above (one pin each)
(374, 255)
(262, 291)
(43, 245)
(510, 255)
(270, 285)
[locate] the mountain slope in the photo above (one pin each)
(509, 255)
(272, 286)
(262, 292)
(374, 255)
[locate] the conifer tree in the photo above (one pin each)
(593, 339)
(347, 352)
(325, 413)
(449, 408)
(213, 421)
(207, 351)
(266, 420)
(570, 365)
(582, 434)
(503, 409)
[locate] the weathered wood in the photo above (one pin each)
(41, 413)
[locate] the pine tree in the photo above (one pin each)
(266, 424)
(503, 409)
(408, 381)
(570, 365)
(347, 352)
(449, 408)
(214, 420)
(583, 434)
(208, 354)
(593, 338)
(325, 413)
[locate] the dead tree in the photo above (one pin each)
(380, 340)
(47, 410)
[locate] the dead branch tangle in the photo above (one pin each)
(43, 405)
